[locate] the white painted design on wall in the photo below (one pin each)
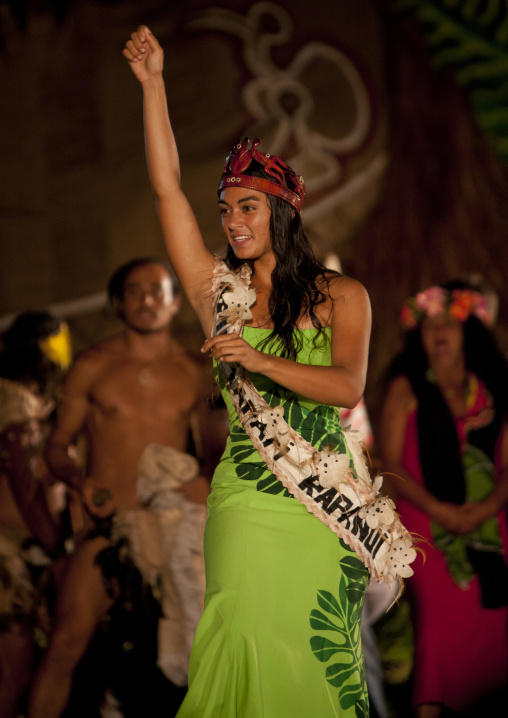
(263, 97)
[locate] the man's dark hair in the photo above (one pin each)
(116, 284)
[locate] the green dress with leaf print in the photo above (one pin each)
(280, 634)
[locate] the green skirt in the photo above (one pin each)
(280, 634)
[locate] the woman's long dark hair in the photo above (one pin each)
(299, 281)
(439, 448)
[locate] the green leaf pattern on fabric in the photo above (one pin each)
(472, 38)
(320, 426)
(479, 477)
(336, 619)
(340, 617)
(249, 466)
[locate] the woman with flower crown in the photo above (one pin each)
(444, 438)
(280, 634)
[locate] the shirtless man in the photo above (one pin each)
(137, 388)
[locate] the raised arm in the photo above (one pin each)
(191, 260)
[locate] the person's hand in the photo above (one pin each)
(451, 517)
(232, 349)
(144, 54)
(98, 498)
(475, 513)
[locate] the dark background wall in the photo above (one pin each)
(401, 182)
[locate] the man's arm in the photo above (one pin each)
(71, 416)
(209, 428)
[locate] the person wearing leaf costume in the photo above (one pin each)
(280, 634)
(444, 438)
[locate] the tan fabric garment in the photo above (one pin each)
(166, 544)
(18, 404)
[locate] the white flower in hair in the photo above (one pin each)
(379, 511)
(398, 558)
(238, 303)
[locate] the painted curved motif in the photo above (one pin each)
(264, 97)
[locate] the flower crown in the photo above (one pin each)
(457, 303)
(285, 183)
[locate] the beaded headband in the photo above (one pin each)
(457, 303)
(285, 184)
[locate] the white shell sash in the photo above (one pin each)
(342, 496)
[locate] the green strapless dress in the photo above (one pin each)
(280, 634)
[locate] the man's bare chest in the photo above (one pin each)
(130, 388)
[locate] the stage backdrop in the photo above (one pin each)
(393, 128)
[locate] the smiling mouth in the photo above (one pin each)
(240, 239)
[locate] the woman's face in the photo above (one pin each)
(245, 217)
(443, 340)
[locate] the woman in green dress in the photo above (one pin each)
(280, 634)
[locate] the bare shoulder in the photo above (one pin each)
(92, 360)
(345, 290)
(101, 353)
(349, 304)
